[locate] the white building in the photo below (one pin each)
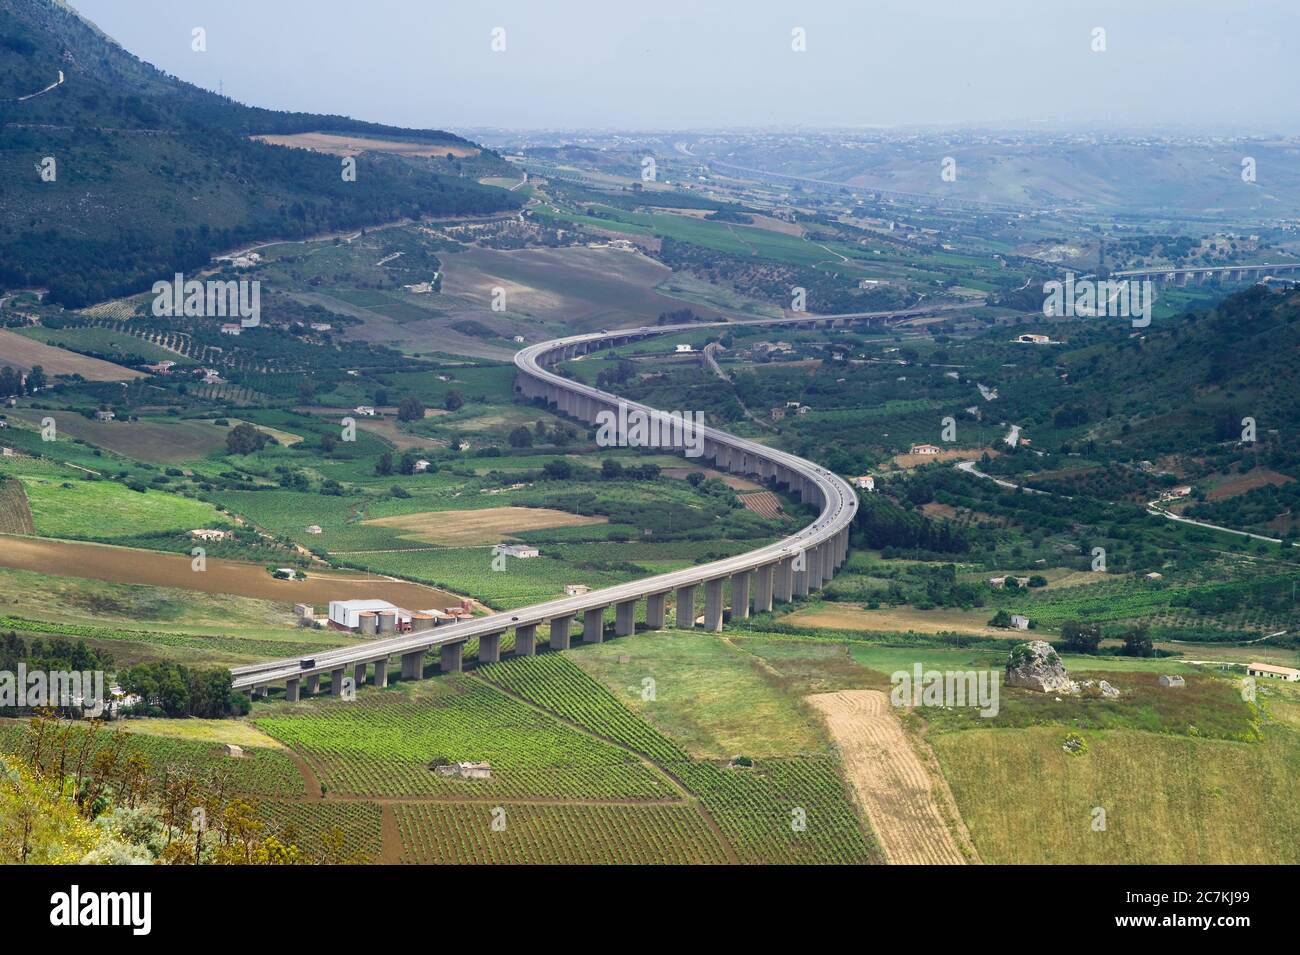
(365, 410)
(518, 550)
(1019, 622)
(230, 329)
(347, 613)
(865, 482)
(421, 465)
(924, 449)
(1271, 672)
(684, 348)
(575, 590)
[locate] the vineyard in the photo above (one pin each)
(555, 682)
(382, 744)
(312, 825)
(556, 835)
(15, 516)
(757, 808)
(786, 811)
(260, 772)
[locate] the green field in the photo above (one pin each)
(103, 510)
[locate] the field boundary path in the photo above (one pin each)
(905, 800)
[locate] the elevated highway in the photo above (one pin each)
(749, 582)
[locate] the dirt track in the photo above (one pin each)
(895, 787)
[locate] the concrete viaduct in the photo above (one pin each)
(779, 572)
(1190, 276)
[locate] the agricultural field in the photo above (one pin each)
(446, 833)
(105, 510)
(483, 526)
(131, 566)
(153, 440)
(15, 514)
(382, 745)
(24, 353)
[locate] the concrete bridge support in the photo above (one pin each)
(740, 595)
(381, 672)
(655, 605)
(783, 577)
(313, 684)
(526, 640)
(763, 589)
(336, 681)
(800, 577)
(489, 648)
(560, 632)
(291, 690)
(359, 676)
(814, 568)
(593, 625)
(713, 604)
(625, 618)
(686, 607)
(450, 657)
(413, 665)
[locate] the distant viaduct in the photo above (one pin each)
(1190, 275)
(753, 581)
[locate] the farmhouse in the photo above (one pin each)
(1019, 622)
(1271, 672)
(313, 529)
(162, 368)
(284, 573)
(575, 590)
(1155, 575)
(366, 410)
(684, 348)
(321, 326)
(1172, 680)
(865, 482)
(518, 550)
(230, 329)
(104, 416)
(421, 465)
(466, 770)
(1031, 339)
(210, 534)
(924, 449)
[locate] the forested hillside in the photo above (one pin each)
(152, 174)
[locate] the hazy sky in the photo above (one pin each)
(676, 64)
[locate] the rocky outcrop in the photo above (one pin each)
(1036, 666)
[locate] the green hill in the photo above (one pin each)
(155, 174)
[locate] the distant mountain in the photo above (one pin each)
(152, 174)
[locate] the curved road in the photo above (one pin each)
(791, 567)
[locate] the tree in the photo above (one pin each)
(454, 401)
(557, 470)
(1081, 637)
(11, 382)
(1038, 580)
(243, 438)
(35, 379)
(610, 469)
(1137, 643)
(410, 409)
(384, 466)
(407, 464)
(521, 437)
(695, 478)
(1000, 619)
(381, 397)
